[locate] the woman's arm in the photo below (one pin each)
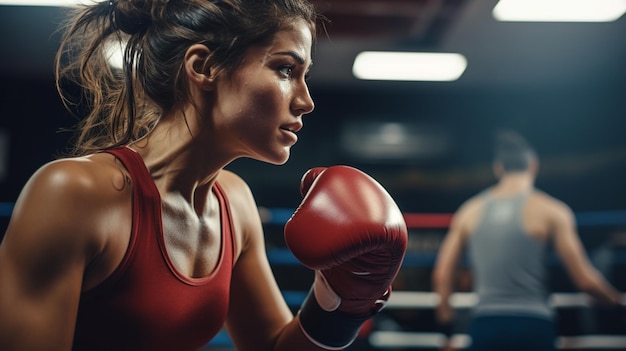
(258, 317)
(47, 245)
(54, 234)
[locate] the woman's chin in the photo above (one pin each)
(276, 159)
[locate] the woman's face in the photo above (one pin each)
(259, 107)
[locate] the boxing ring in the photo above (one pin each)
(582, 325)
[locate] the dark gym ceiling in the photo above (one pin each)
(498, 53)
(561, 84)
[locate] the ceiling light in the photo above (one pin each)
(409, 66)
(559, 10)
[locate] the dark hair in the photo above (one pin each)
(512, 151)
(123, 105)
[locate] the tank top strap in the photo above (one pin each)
(521, 198)
(146, 187)
(138, 171)
(226, 216)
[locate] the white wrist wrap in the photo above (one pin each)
(324, 294)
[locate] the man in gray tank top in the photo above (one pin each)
(506, 229)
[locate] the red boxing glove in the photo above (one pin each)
(350, 230)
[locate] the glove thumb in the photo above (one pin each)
(308, 178)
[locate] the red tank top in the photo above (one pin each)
(146, 304)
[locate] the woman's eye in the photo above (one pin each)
(286, 70)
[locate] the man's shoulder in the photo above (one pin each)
(549, 204)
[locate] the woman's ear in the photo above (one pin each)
(197, 67)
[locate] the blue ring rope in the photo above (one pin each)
(278, 216)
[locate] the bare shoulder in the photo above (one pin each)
(66, 212)
(70, 196)
(238, 192)
(245, 214)
(556, 214)
(549, 205)
(82, 179)
(466, 218)
(472, 205)
(470, 209)
(234, 186)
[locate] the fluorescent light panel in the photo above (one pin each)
(559, 10)
(409, 66)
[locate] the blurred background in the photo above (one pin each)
(560, 84)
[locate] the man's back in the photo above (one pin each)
(508, 261)
(507, 228)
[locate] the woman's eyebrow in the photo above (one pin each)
(293, 54)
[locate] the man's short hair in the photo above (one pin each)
(512, 151)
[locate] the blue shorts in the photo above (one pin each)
(512, 333)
